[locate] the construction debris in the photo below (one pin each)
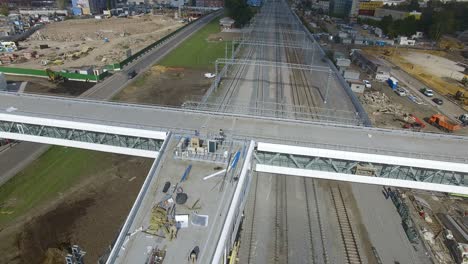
(156, 256)
(381, 104)
(160, 220)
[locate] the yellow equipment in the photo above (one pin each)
(462, 96)
(53, 76)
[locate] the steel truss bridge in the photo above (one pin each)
(397, 158)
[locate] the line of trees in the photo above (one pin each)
(436, 20)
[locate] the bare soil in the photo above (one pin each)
(166, 86)
(89, 216)
(85, 45)
(396, 121)
(44, 86)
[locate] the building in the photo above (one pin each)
(378, 32)
(371, 64)
(350, 74)
(31, 3)
(88, 7)
(368, 8)
(44, 12)
(340, 8)
(7, 30)
(226, 23)
(357, 86)
(418, 35)
(382, 12)
(209, 3)
(255, 3)
(324, 5)
(401, 40)
(354, 11)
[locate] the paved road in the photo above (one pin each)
(371, 140)
(15, 159)
(449, 108)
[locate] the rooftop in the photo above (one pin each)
(202, 215)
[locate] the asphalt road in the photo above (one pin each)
(449, 108)
(17, 158)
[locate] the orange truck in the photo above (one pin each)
(443, 123)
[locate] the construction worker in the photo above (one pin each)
(194, 255)
(172, 232)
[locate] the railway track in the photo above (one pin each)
(239, 72)
(348, 237)
(251, 229)
(281, 249)
(311, 194)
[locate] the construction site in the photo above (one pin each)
(437, 70)
(93, 43)
(268, 153)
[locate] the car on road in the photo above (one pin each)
(367, 84)
(132, 74)
(438, 101)
(427, 92)
(400, 91)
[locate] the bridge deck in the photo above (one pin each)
(329, 136)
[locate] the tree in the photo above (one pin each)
(239, 11)
(4, 10)
(413, 5)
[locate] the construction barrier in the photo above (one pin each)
(43, 74)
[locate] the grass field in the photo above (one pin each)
(196, 52)
(56, 171)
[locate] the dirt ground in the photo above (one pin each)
(436, 69)
(90, 216)
(166, 86)
(44, 86)
(391, 113)
(225, 36)
(84, 45)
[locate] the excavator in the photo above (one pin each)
(462, 96)
(54, 77)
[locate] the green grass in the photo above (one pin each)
(196, 52)
(54, 172)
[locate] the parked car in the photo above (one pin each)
(400, 91)
(367, 84)
(438, 101)
(132, 74)
(427, 92)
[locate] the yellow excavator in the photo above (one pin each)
(53, 76)
(462, 96)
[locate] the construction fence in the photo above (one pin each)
(42, 73)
